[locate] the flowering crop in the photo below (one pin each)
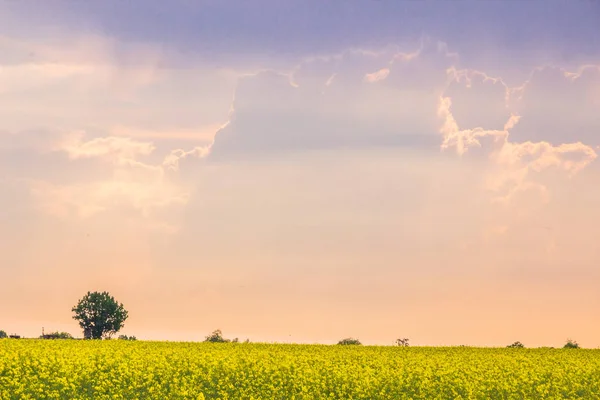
(75, 369)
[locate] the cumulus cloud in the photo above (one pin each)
(130, 183)
(515, 159)
(329, 102)
(355, 99)
(125, 114)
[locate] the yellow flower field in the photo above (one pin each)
(76, 369)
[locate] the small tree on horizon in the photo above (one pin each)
(402, 342)
(99, 315)
(3, 335)
(516, 344)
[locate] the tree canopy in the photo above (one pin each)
(99, 315)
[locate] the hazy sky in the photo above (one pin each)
(304, 170)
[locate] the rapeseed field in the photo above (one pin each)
(114, 369)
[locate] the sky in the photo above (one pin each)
(303, 171)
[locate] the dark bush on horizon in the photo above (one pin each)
(516, 344)
(350, 342)
(57, 335)
(125, 337)
(3, 335)
(571, 344)
(216, 337)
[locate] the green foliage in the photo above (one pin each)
(571, 344)
(350, 342)
(3, 335)
(125, 337)
(216, 337)
(57, 335)
(516, 344)
(99, 315)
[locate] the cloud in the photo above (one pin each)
(377, 76)
(559, 104)
(131, 184)
(103, 124)
(97, 83)
(199, 134)
(515, 160)
(121, 150)
(328, 103)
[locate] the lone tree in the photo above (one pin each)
(516, 345)
(99, 315)
(3, 335)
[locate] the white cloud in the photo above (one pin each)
(119, 149)
(377, 76)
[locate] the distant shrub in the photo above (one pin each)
(57, 335)
(125, 337)
(3, 335)
(516, 345)
(350, 341)
(402, 342)
(571, 344)
(216, 337)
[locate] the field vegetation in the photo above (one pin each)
(125, 369)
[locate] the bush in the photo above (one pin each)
(516, 345)
(216, 337)
(57, 335)
(350, 341)
(571, 344)
(125, 337)
(3, 335)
